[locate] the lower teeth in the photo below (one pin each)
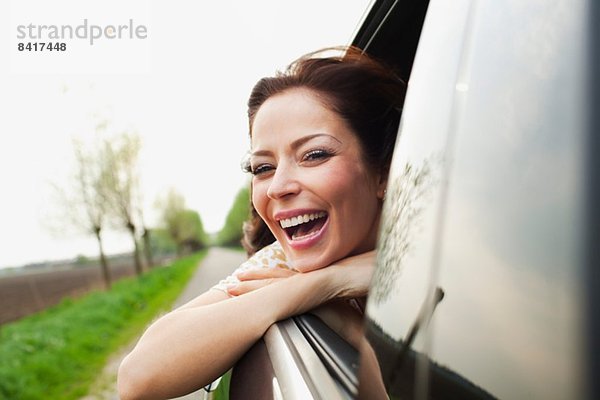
(308, 229)
(295, 237)
(312, 232)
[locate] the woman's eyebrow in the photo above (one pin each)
(299, 142)
(295, 144)
(259, 153)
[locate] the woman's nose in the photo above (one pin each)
(283, 183)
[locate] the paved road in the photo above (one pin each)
(217, 264)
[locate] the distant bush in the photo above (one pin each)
(57, 353)
(184, 226)
(231, 233)
(161, 242)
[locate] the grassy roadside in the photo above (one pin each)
(222, 391)
(57, 353)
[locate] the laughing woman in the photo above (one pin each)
(322, 134)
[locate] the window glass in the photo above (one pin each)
(508, 324)
(402, 281)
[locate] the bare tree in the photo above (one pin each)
(146, 239)
(122, 182)
(171, 207)
(83, 202)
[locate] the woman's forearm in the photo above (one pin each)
(188, 348)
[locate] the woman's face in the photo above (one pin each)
(310, 184)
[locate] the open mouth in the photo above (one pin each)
(303, 226)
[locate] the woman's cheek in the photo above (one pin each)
(338, 183)
(259, 198)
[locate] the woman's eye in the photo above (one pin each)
(261, 169)
(314, 155)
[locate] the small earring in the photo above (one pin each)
(384, 193)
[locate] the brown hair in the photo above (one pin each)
(364, 92)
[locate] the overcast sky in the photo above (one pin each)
(183, 89)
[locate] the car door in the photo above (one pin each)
(481, 289)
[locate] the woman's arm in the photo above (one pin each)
(191, 346)
(350, 278)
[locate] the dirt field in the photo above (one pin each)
(22, 295)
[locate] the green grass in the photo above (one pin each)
(222, 391)
(57, 353)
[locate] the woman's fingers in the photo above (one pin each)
(264, 273)
(257, 278)
(248, 286)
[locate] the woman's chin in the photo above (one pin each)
(307, 264)
(306, 268)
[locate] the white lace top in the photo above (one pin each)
(271, 256)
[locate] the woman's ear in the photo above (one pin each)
(382, 184)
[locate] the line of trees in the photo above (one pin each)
(105, 192)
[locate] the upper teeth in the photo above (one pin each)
(300, 219)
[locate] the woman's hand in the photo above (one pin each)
(257, 278)
(349, 277)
